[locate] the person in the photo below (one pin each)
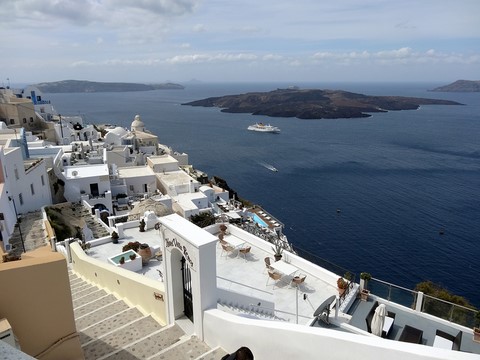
(243, 353)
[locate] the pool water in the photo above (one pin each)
(126, 255)
(259, 221)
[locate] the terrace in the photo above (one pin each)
(245, 289)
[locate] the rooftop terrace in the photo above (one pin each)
(243, 278)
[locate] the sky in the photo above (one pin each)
(155, 41)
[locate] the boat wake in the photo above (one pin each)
(268, 166)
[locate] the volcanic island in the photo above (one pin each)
(314, 103)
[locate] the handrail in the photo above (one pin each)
(317, 260)
(449, 311)
(394, 285)
(450, 303)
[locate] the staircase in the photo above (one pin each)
(109, 329)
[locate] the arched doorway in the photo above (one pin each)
(187, 290)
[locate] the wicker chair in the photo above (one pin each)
(245, 251)
(298, 280)
(274, 276)
(268, 262)
(226, 248)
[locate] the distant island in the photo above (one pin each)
(460, 86)
(78, 86)
(314, 104)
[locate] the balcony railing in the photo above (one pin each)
(392, 292)
(430, 305)
(449, 311)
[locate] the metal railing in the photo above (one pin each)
(430, 305)
(317, 260)
(449, 311)
(392, 292)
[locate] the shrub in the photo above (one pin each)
(131, 246)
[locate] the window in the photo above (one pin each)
(20, 197)
(43, 181)
(132, 188)
(32, 189)
(12, 121)
(24, 120)
(31, 119)
(15, 170)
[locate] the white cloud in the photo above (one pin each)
(199, 28)
(272, 57)
(203, 58)
(282, 38)
(403, 55)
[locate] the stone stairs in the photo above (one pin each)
(109, 329)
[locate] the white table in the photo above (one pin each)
(234, 241)
(284, 268)
(387, 324)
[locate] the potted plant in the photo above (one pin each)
(476, 329)
(131, 245)
(133, 256)
(122, 260)
(277, 250)
(342, 285)
(365, 277)
(141, 225)
(115, 237)
(85, 245)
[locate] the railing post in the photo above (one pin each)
(451, 312)
(418, 305)
(389, 292)
(337, 305)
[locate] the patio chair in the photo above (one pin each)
(274, 276)
(245, 251)
(226, 248)
(268, 262)
(298, 280)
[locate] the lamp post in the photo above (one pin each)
(17, 224)
(61, 127)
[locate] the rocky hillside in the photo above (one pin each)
(314, 104)
(76, 86)
(460, 86)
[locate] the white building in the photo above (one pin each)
(24, 185)
(90, 184)
(138, 180)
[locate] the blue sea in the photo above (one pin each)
(398, 179)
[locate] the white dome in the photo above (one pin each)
(137, 124)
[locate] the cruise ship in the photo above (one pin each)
(166, 264)
(267, 128)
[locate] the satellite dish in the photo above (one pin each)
(75, 173)
(323, 311)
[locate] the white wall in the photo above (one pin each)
(20, 187)
(136, 185)
(281, 340)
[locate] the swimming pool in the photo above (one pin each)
(259, 221)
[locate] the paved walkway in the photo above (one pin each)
(32, 232)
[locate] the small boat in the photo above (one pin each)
(260, 127)
(269, 167)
